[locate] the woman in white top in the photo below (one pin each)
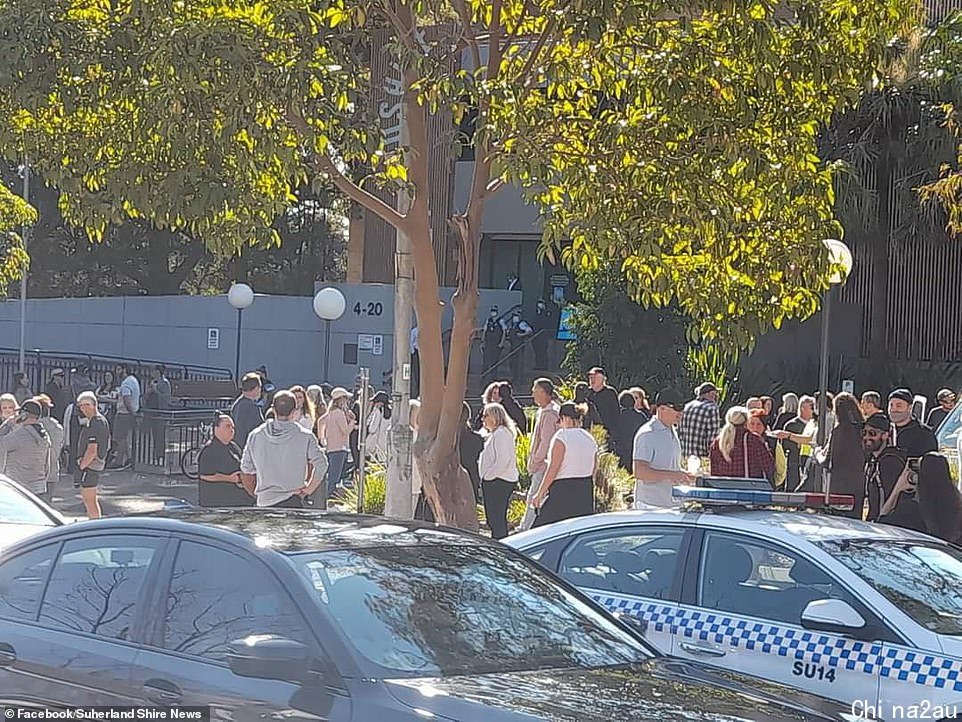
(418, 502)
(304, 412)
(498, 467)
(568, 487)
(379, 427)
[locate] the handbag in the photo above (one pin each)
(781, 466)
(745, 454)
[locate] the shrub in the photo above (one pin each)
(522, 447)
(375, 491)
(612, 483)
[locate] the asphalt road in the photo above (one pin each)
(126, 492)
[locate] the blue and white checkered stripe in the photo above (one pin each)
(900, 663)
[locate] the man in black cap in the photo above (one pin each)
(915, 439)
(884, 463)
(937, 415)
(604, 398)
(700, 422)
(58, 394)
(657, 454)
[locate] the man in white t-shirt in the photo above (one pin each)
(128, 406)
(657, 454)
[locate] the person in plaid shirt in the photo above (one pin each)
(739, 453)
(700, 422)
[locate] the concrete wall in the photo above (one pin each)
(279, 331)
(505, 214)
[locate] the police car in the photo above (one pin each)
(865, 614)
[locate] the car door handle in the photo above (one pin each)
(700, 651)
(160, 691)
(8, 655)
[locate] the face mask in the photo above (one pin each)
(900, 417)
(494, 314)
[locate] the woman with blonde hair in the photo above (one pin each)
(8, 406)
(737, 452)
(498, 467)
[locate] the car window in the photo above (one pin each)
(15, 508)
(459, 610)
(923, 580)
(96, 584)
(217, 597)
(758, 580)
(21, 582)
(626, 561)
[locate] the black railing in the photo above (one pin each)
(40, 363)
(161, 438)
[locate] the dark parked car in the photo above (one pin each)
(269, 614)
(22, 513)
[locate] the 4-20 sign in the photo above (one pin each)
(372, 308)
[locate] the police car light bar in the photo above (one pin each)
(752, 497)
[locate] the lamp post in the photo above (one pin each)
(25, 237)
(329, 305)
(841, 259)
(240, 296)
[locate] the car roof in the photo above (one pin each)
(769, 523)
(290, 531)
(54, 515)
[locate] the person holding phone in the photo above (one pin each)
(26, 445)
(902, 506)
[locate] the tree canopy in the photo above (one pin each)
(673, 140)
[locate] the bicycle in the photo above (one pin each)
(189, 459)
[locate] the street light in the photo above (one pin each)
(329, 305)
(240, 296)
(841, 259)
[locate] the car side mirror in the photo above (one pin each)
(834, 616)
(267, 656)
(640, 626)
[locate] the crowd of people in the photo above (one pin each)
(77, 425)
(297, 447)
(873, 450)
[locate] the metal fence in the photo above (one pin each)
(161, 438)
(40, 363)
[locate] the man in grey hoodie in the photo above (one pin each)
(283, 463)
(27, 448)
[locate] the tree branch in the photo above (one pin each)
(360, 196)
(325, 164)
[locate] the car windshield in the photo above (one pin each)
(923, 580)
(15, 508)
(458, 610)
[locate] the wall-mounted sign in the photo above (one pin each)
(365, 342)
(213, 339)
(565, 333)
(378, 346)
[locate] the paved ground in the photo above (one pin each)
(126, 492)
